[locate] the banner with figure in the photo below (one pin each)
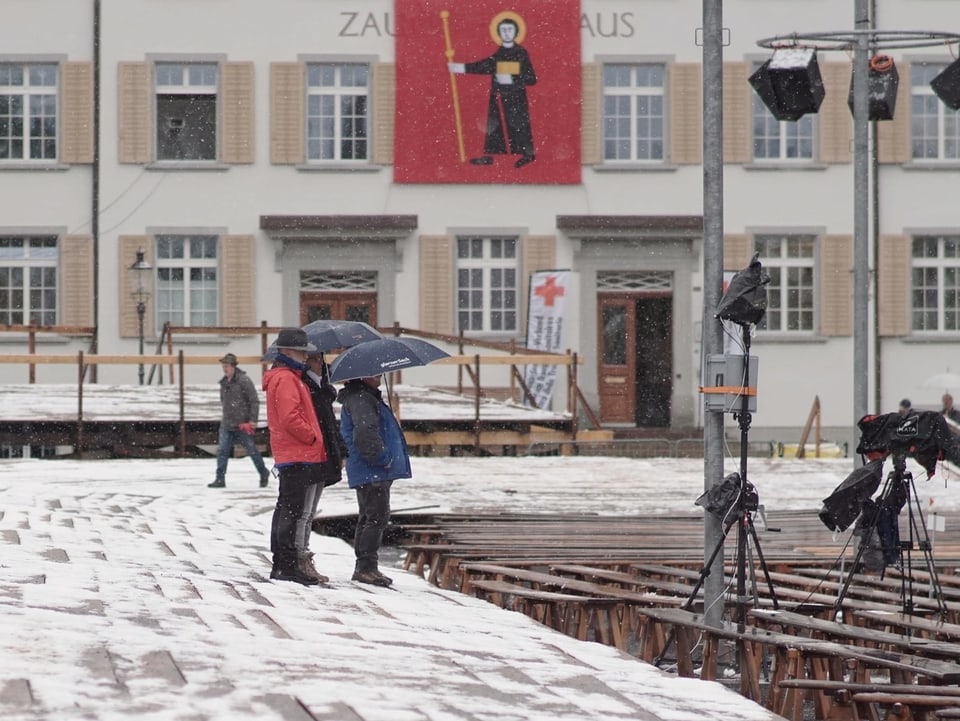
(545, 329)
(487, 92)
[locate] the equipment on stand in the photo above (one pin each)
(922, 435)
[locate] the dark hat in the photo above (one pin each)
(905, 403)
(294, 339)
(229, 358)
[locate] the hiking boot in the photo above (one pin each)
(295, 575)
(306, 567)
(374, 578)
(264, 479)
(217, 484)
(386, 579)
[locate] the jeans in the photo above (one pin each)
(225, 443)
(373, 503)
(305, 522)
(296, 480)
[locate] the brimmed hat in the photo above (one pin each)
(294, 339)
(229, 358)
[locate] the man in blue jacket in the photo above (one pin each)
(377, 455)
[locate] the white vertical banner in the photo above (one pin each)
(549, 291)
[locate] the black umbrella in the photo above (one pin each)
(328, 335)
(376, 357)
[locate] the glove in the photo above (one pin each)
(246, 428)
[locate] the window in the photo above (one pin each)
(28, 280)
(935, 283)
(780, 140)
(186, 111)
(28, 111)
(487, 284)
(633, 121)
(789, 260)
(934, 128)
(187, 280)
(337, 111)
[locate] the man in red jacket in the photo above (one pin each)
(298, 450)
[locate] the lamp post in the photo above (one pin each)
(862, 42)
(139, 268)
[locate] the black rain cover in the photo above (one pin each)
(745, 301)
(842, 507)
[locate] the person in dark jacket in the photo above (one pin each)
(317, 378)
(298, 449)
(241, 406)
(377, 455)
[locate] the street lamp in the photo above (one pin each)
(140, 268)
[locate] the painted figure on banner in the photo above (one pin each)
(502, 86)
(511, 73)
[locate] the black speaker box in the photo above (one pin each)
(882, 82)
(947, 86)
(789, 83)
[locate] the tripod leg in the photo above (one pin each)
(927, 548)
(763, 562)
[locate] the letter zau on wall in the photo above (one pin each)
(487, 92)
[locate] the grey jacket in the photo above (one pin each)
(239, 400)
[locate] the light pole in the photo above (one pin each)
(139, 268)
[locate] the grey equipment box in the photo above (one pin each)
(723, 387)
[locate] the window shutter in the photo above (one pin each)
(737, 251)
(836, 285)
(128, 246)
(835, 122)
(76, 110)
(436, 283)
(737, 114)
(134, 113)
(287, 89)
(893, 284)
(893, 136)
(76, 280)
(237, 112)
(591, 120)
(686, 115)
(384, 107)
(539, 252)
(238, 281)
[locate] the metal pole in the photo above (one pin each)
(861, 218)
(141, 309)
(712, 331)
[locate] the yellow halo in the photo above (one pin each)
(508, 15)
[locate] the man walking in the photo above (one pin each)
(241, 406)
(298, 451)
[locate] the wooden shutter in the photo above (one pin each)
(238, 281)
(135, 122)
(893, 136)
(591, 120)
(538, 252)
(287, 89)
(835, 120)
(893, 285)
(126, 282)
(76, 280)
(237, 112)
(737, 114)
(384, 109)
(436, 283)
(686, 114)
(76, 113)
(836, 285)
(737, 251)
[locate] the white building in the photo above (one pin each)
(216, 159)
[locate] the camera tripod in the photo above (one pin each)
(898, 489)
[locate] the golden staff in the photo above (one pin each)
(445, 15)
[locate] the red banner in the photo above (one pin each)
(487, 92)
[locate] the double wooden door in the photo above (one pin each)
(323, 305)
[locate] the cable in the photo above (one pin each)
(113, 202)
(137, 206)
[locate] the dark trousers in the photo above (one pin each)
(295, 482)
(373, 504)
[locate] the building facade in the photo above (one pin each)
(249, 151)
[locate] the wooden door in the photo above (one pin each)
(635, 358)
(338, 306)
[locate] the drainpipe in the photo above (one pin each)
(95, 189)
